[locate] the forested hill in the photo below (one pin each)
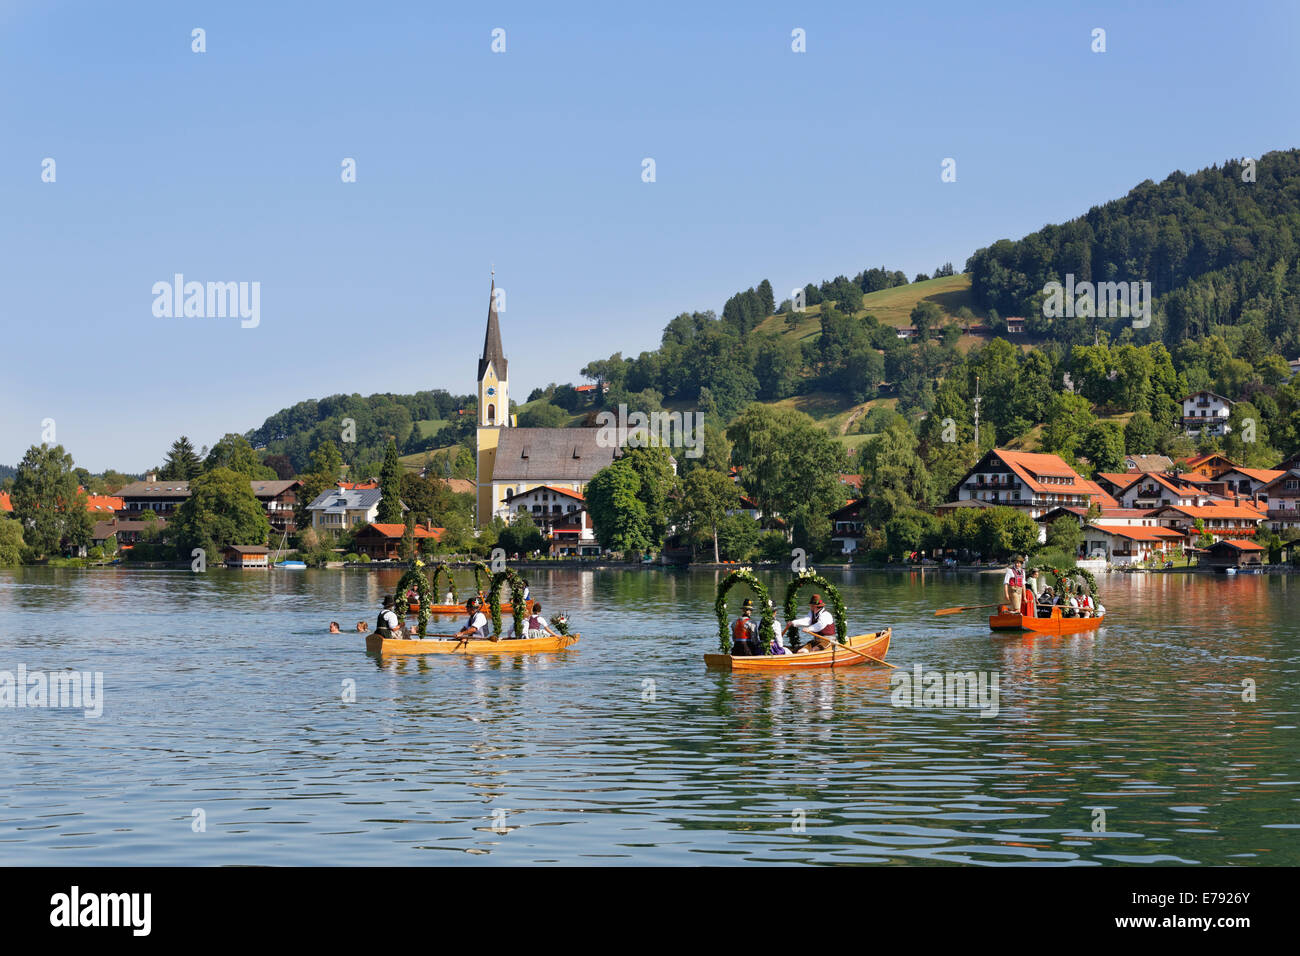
(1219, 247)
(418, 422)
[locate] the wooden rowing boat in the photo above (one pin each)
(1056, 624)
(448, 644)
(876, 644)
(506, 608)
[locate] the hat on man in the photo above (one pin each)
(388, 600)
(816, 601)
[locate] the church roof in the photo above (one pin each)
(550, 454)
(492, 351)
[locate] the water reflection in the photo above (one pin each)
(229, 698)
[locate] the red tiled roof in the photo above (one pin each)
(1028, 465)
(397, 530)
(102, 503)
(569, 492)
(1265, 475)
(1138, 534)
(358, 485)
(1242, 510)
(1241, 545)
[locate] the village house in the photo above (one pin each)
(545, 503)
(1281, 496)
(278, 499)
(1206, 412)
(1249, 482)
(164, 497)
(383, 542)
(573, 535)
(160, 497)
(125, 532)
(1032, 482)
(847, 527)
(1210, 466)
(340, 508)
(1126, 544)
(1239, 520)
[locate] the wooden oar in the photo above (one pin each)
(970, 607)
(847, 647)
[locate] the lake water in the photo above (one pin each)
(224, 694)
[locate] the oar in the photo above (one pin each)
(970, 607)
(846, 647)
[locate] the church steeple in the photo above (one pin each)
(492, 351)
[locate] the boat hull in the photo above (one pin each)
(875, 644)
(506, 608)
(1056, 624)
(446, 644)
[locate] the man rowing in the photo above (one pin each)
(476, 627)
(818, 622)
(388, 625)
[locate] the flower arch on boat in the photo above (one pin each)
(441, 569)
(765, 629)
(802, 580)
(517, 585)
(1064, 577)
(414, 576)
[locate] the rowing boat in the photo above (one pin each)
(1056, 624)
(876, 644)
(449, 644)
(506, 608)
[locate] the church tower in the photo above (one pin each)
(493, 409)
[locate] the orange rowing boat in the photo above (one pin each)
(1005, 620)
(447, 644)
(506, 608)
(877, 645)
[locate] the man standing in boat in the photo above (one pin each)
(476, 627)
(744, 633)
(819, 621)
(1013, 585)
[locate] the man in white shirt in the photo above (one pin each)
(476, 628)
(819, 621)
(389, 625)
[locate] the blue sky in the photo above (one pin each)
(225, 166)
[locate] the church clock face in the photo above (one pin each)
(492, 391)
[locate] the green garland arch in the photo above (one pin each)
(415, 576)
(481, 573)
(441, 569)
(765, 630)
(1063, 577)
(517, 585)
(802, 580)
